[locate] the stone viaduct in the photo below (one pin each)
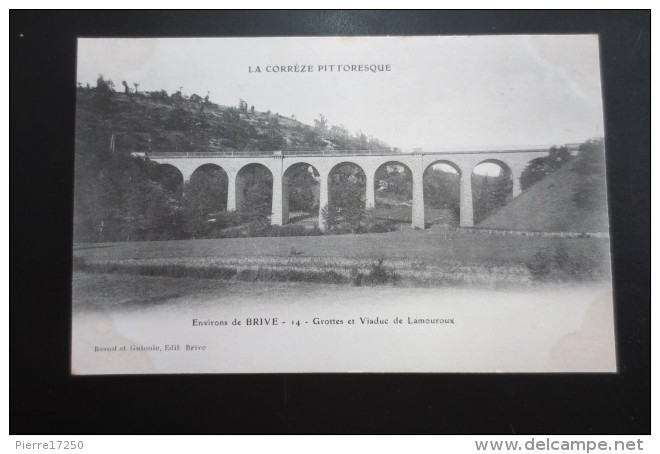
(278, 162)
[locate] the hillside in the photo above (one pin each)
(156, 121)
(548, 206)
(118, 197)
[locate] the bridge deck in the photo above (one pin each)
(265, 154)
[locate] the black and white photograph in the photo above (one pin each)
(341, 204)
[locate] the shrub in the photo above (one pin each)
(259, 227)
(314, 231)
(378, 274)
(340, 229)
(557, 264)
(384, 226)
(356, 276)
(540, 264)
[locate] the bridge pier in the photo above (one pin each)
(323, 194)
(286, 189)
(186, 173)
(239, 194)
(417, 170)
(516, 187)
(466, 214)
(231, 191)
(516, 172)
(277, 212)
(371, 191)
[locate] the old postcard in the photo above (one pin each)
(341, 204)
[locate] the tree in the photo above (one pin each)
(301, 189)
(103, 85)
(339, 131)
(168, 176)
(204, 196)
(178, 119)
(147, 208)
(502, 191)
(539, 168)
(490, 193)
(347, 196)
(103, 93)
(441, 189)
(178, 95)
(330, 216)
(321, 124)
(231, 115)
(589, 164)
(119, 197)
(160, 96)
(257, 184)
(312, 140)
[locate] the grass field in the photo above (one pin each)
(431, 245)
(431, 257)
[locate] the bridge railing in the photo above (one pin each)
(265, 154)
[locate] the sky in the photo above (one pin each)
(440, 93)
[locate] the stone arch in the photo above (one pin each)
(442, 193)
(445, 162)
(490, 192)
(498, 162)
(207, 166)
(393, 187)
(254, 189)
(212, 182)
(334, 167)
(300, 191)
(333, 173)
(170, 176)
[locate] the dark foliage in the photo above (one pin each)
(378, 274)
(441, 189)
(540, 168)
(204, 200)
(591, 191)
(302, 187)
(346, 207)
(490, 193)
(558, 264)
